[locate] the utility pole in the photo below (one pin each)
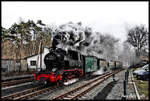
(41, 57)
(38, 56)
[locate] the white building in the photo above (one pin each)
(32, 60)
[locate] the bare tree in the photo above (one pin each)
(138, 38)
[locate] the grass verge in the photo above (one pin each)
(142, 86)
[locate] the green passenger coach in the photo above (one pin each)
(102, 64)
(90, 64)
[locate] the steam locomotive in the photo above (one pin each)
(64, 65)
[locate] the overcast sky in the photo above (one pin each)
(109, 17)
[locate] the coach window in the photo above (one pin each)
(33, 63)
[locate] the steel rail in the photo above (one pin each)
(15, 82)
(35, 93)
(11, 96)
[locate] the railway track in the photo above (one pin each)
(81, 90)
(15, 82)
(29, 93)
(14, 95)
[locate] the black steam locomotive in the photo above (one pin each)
(60, 66)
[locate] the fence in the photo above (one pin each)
(10, 65)
(126, 83)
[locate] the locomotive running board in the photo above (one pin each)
(71, 81)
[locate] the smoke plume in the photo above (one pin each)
(82, 39)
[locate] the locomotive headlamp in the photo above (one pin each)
(58, 55)
(54, 69)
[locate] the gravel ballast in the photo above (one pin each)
(108, 90)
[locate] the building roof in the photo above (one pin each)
(31, 56)
(35, 54)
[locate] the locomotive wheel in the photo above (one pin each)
(61, 83)
(47, 83)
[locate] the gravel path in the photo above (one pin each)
(108, 90)
(118, 89)
(131, 91)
